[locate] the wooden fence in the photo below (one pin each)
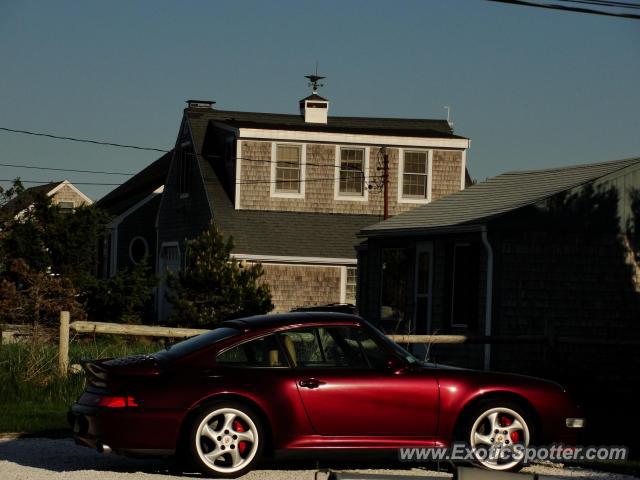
(170, 332)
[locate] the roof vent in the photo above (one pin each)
(314, 108)
(200, 104)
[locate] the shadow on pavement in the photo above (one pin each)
(63, 455)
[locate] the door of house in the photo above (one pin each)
(169, 260)
(423, 290)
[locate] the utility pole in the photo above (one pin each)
(385, 181)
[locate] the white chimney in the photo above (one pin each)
(315, 109)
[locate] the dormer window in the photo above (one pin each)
(351, 165)
(288, 170)
(415, 178)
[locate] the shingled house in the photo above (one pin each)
(551, 253)
(64, 194)
(131, 234)
(293, 190)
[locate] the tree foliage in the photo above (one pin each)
(28, 296)
(125, 297)
(214, 286)
(41, 239)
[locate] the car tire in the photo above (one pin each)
(226, 440)
(499, 424)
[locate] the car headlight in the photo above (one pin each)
(576, 422)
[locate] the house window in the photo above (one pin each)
(352, 167)
(138, 249)
(395, 265)
(351, 284)
(415, 175)
(288, 168)
(185, 166)
(465, 285)
(66, 207)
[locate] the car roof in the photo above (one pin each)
(294, 318)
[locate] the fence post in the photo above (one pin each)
(63, 355)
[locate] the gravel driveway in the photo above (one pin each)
(40, 458)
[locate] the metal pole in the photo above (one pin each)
(63, 354)
(385, 183)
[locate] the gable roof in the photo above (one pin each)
(495, 197)
(22, 201)
(404, 127)
(276, 233)
(137, 187)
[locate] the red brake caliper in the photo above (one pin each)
(242, 446)
(515, 436)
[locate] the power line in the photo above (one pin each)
(75, 183)
(64, 169)
(82, 140)
(604, 3)
(244, 182)
(553, 6)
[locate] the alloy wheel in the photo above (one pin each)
(498, 438)
(227, 440)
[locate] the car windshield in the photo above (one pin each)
(193, 344)
(409, 358)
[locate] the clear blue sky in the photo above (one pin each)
(531, 88)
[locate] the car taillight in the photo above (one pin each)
(117, 402)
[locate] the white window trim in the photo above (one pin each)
(274, 163)
(337, 195)
(146, 247)
(401, 198)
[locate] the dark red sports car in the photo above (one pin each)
(306, 381)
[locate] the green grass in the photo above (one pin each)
(33, 397)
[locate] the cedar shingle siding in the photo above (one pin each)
(299, 230)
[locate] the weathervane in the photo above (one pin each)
(314, 78)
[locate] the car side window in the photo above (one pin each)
(325, 347)
(261, 352)
(377, 356)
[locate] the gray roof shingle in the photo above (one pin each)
(259, 232)
(137, 187)
(364, 125)
(494, 197)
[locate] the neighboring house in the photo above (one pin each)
(520, 253)
(293, 190)
(64, 194)
(553, 253)
(134, 206)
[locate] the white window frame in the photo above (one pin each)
(339, 196)
(401, 197)
(274, 163)
(343, 283)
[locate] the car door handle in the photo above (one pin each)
(310, 383)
